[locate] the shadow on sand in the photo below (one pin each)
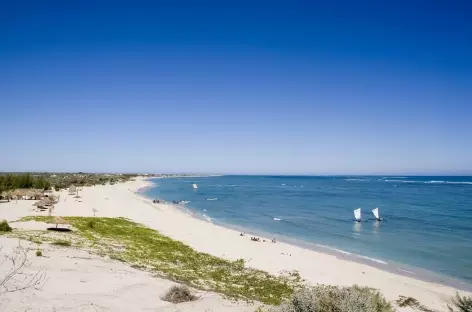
(59, 229)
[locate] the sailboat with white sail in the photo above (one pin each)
(357, 214)
(375, 211)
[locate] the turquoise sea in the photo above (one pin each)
(427, 227)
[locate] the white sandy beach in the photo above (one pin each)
(116, 286)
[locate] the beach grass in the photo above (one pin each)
(62, 242)
(145, 248)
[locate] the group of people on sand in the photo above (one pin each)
(257, 239)
(175, 202)
(157, 201)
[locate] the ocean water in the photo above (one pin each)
(428, 220)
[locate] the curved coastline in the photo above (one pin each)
(385, 265)
(124, 200)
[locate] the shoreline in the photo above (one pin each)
(385, 265)
(126, 200)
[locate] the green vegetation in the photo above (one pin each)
(64, 180)
(145, 248)
(39, 253)
(9, 182)
(35, 239)
(91, 224)
(335, 299)
(5, 227)
(411, 302)
(463, 304)
(44, 181)
(62, 242)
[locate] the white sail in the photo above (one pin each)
(194, 186)
(357, 214)
(376, 213)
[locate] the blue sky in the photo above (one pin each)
(354, 87)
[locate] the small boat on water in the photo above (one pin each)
(194, 185)
(375, 211)
(357, 214)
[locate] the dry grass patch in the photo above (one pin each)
(179, 294)
(335, 299)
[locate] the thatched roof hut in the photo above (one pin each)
(72, 189)
(26, 194)
(49, 201)
(52, 198)
(45, 203)
(58, 220)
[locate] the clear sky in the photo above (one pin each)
(353, 87)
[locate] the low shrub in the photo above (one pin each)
(463, 304)
(323, 298)
(403, 301)
(5, 227)
(179, 294)
(91, 224)
(411, 302)
(39, 253)
(62, 242)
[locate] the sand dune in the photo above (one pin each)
(79, 281)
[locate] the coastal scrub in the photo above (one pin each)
(336, 299)
(4, 226)
(146, 248)
(463, 304)
(179, 294)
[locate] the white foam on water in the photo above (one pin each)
(406, 271)
(430, 182)
(351, 254)
(334, 249)
(207, 218)
(277, 219)
(212, 198)
(372, 259)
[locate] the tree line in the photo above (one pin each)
(44, 181)
(10, 182)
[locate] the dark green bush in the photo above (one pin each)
(5, 227)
